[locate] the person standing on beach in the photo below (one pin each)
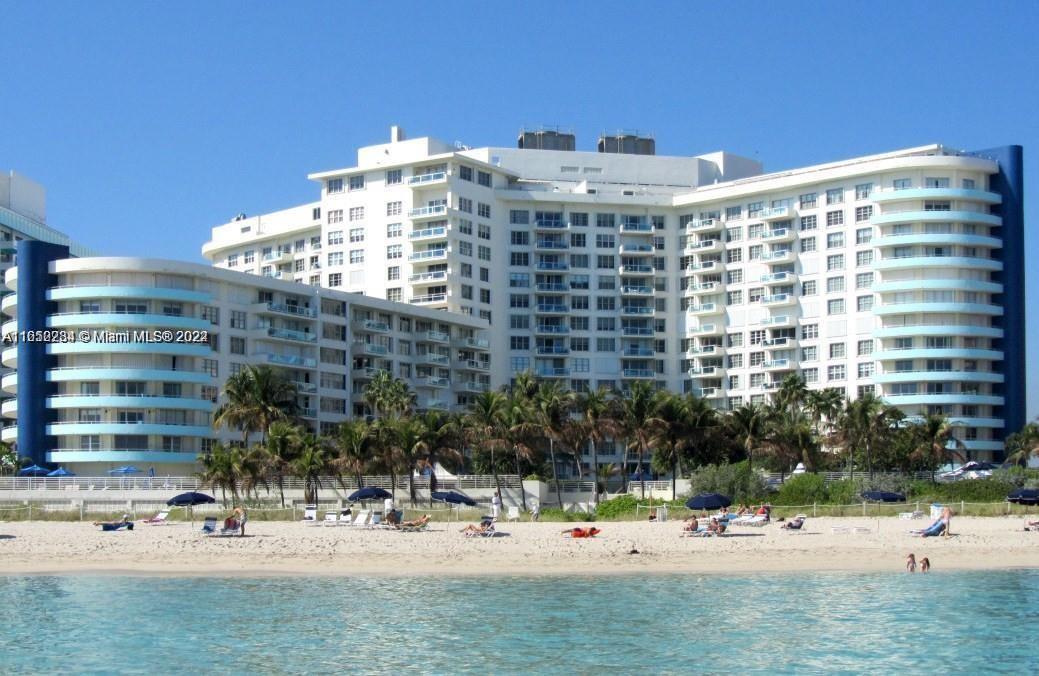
(496, 505)
(911, 563)
(925, 565)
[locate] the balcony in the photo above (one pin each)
(277, 257)
(428, 277)
(704, 309)
(374, 349)
(637, 249)
(777, 365)
(308, 412)
(552, 329)
(365, 373)
(773, 343)
(638, 310)
(702, 224)
(371, 326)
(703, 246)
(289, 334)
(551, 265)
(471, 386)
(635, 290)
(286, 359)
(779, 235)
(281, 308)
(779, 299)
(429, 299)
(704, 266)
(883, 195)
(637, 351)
(473, 365)
(774, 214)
(704, 330)
(553, 372)
(424, 213)
(636, 270)
(707, 287)
(438, 232)
(473, 343)
(704, 351)
(551, 245)
(550, 225)
(707, 392)
(706, 372)
(433, 337)
(551, 287)
(928, 216)
(432, 381)
(423, 180)
(429, 255)
(432, 358)
(778, 256)
(636, 227)
(431, 405)
(552, 350)
(778, 278)
(638, 373)
(303, 387)
(636, 331)
(552, 309)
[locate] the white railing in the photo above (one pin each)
(182, 483)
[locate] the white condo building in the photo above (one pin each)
(892, 273)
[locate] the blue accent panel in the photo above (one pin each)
(121, 457)
(1009, 183)
(34, 278)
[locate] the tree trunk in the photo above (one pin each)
(555, 472)
(642, 471)
(674, 480)
(411, 486)
(595, 471)
(281, 488)
(624, 471)
(494, 471)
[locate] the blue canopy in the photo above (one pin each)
(708, 501)
(1024, 496)
(61, 471)
(127, 469)
(369, 493)
(453, 498)
(883, 496)
(190, 499)
(34, 470)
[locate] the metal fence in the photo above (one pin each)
(510, 481)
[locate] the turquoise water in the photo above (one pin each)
(964, 622)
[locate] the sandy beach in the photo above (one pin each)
(279, 548)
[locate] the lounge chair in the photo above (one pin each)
(236, 527)
(346, 517)
(935, 529)
(331, 518)
(209, 527)
(361, 518)
(844, 530)
(376, 520)
(756, 520)
(513, 513)
(159, 519)
(310, 515)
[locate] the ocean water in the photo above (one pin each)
(954, 622)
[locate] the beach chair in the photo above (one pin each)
(376, 521)
(236, 528)
(911, 515)
(361, 518)
(331, 518)
(413, 529)
(310, 515)
(513, 513)
(159, 519)
(758, 520)
(488, 531)
(209, 527)
(346, 517)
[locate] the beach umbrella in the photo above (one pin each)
(189, 500)
(61, 471)
(453, 498)
(34, 470)
(1024, 496)
(126, 469)
(883, 496)
(369, 493)
(708, 501)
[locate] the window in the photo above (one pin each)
(465, 204)
(755, 252)
(809, 331)
(393, 273)
(335, 279)
(810, 353)
(519, 364)
(465, 226)
(837, 351)
(732, 234)
(519, 238)
(483, 253)
(863, 280)
(604, 262)
(834, 218)
(835, 372)
(735, 339)
(210, 366)
(835, 196)
(465, 173)
(734, 256)
(834, 284)
(863, 190)
(467, 292)
(483, 210)
(315, 213)
(356, 235)
(519, 217)
(335, 258)
(579, 302)
(757, 336)
(808, 200)
(835, 240)
(807, 244)
(734, 298)
(937, 205)
(605, 221)
(519, 342)
(864, 303)
(810, 375)
(356, 213)
(606, 283)
(483, 231)
(809, 287)
(394, 251)
(579, 323)
(334, 185)
(211, 313)
(579, 219)
(393, 208)
(485, 296)
(863, 235)
(519, 258)
(232, 260)
(809, 223)
(483, 178)
(863, 214)
(519, 300)
(757, 358)
(863, 259)
(335, 236)
(237, 319)
(835, 306)
(835, 262)
(605, 303)
(465, 248)
(519, 321)
(755, 209)
(735, 361)
(734, 276)
(357, 182)
(579, 260)
(605, 344)
(755, 295)
(603, 241)
(394, 177)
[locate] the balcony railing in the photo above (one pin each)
(431, 254)
(296, 310)
(429, 298)
(428, 232)
(422, 212)
(423, 277)
(427, 178)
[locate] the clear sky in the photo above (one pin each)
(149, 123)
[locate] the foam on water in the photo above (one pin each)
(956, 622)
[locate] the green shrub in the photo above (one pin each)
(842, 492)
(803, 489)
(971, 490)
(738, 481)
(533, 477)
(556, 514)
(618, 507)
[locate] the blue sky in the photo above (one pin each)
(149, 123)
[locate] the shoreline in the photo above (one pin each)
(280, 549)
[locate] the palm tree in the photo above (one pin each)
(255, 398)
(748, 425)
(239, 410)
(282, 441)
(933, 436)
(866, 423)
(486, 424)
(1023, 445)
(638, 422)
(598, 423)
(519, 432)
(385, 446)
(352, 444)
(441, 438)
(310, 465)
(220, 469)
(552, 406)
(410, 445)
(670, 436)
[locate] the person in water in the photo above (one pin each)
(911, 563)
(925, 565)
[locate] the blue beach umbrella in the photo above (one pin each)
(883, 496)
(453, 498)
(1024, 496)
(369, 493)
(34, 470)
(708, 501)
(189, 500)
(61, 471)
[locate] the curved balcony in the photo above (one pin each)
(102, 373)
(10, 327)
(158, 429)
(9, 357)
(952, 398)
(149, 292)
(9, 408)
(938, 238)
(77, 319)
(9, 304)
(937, 330)
(144, 456)
(179, 349)
(888, 195)
(938, 376)
(9, 433)
(920, 216)
(943, 284)
(924, 261)
(9, 383)
(945, 308)
(128, 401)
(938, 353)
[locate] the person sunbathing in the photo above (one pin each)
(393, 517)
(582, 532)
(742, 510)
(415, 523)
(794, 524)
(939, 526)
(477, 529)
(692, 524)
(116, 525)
